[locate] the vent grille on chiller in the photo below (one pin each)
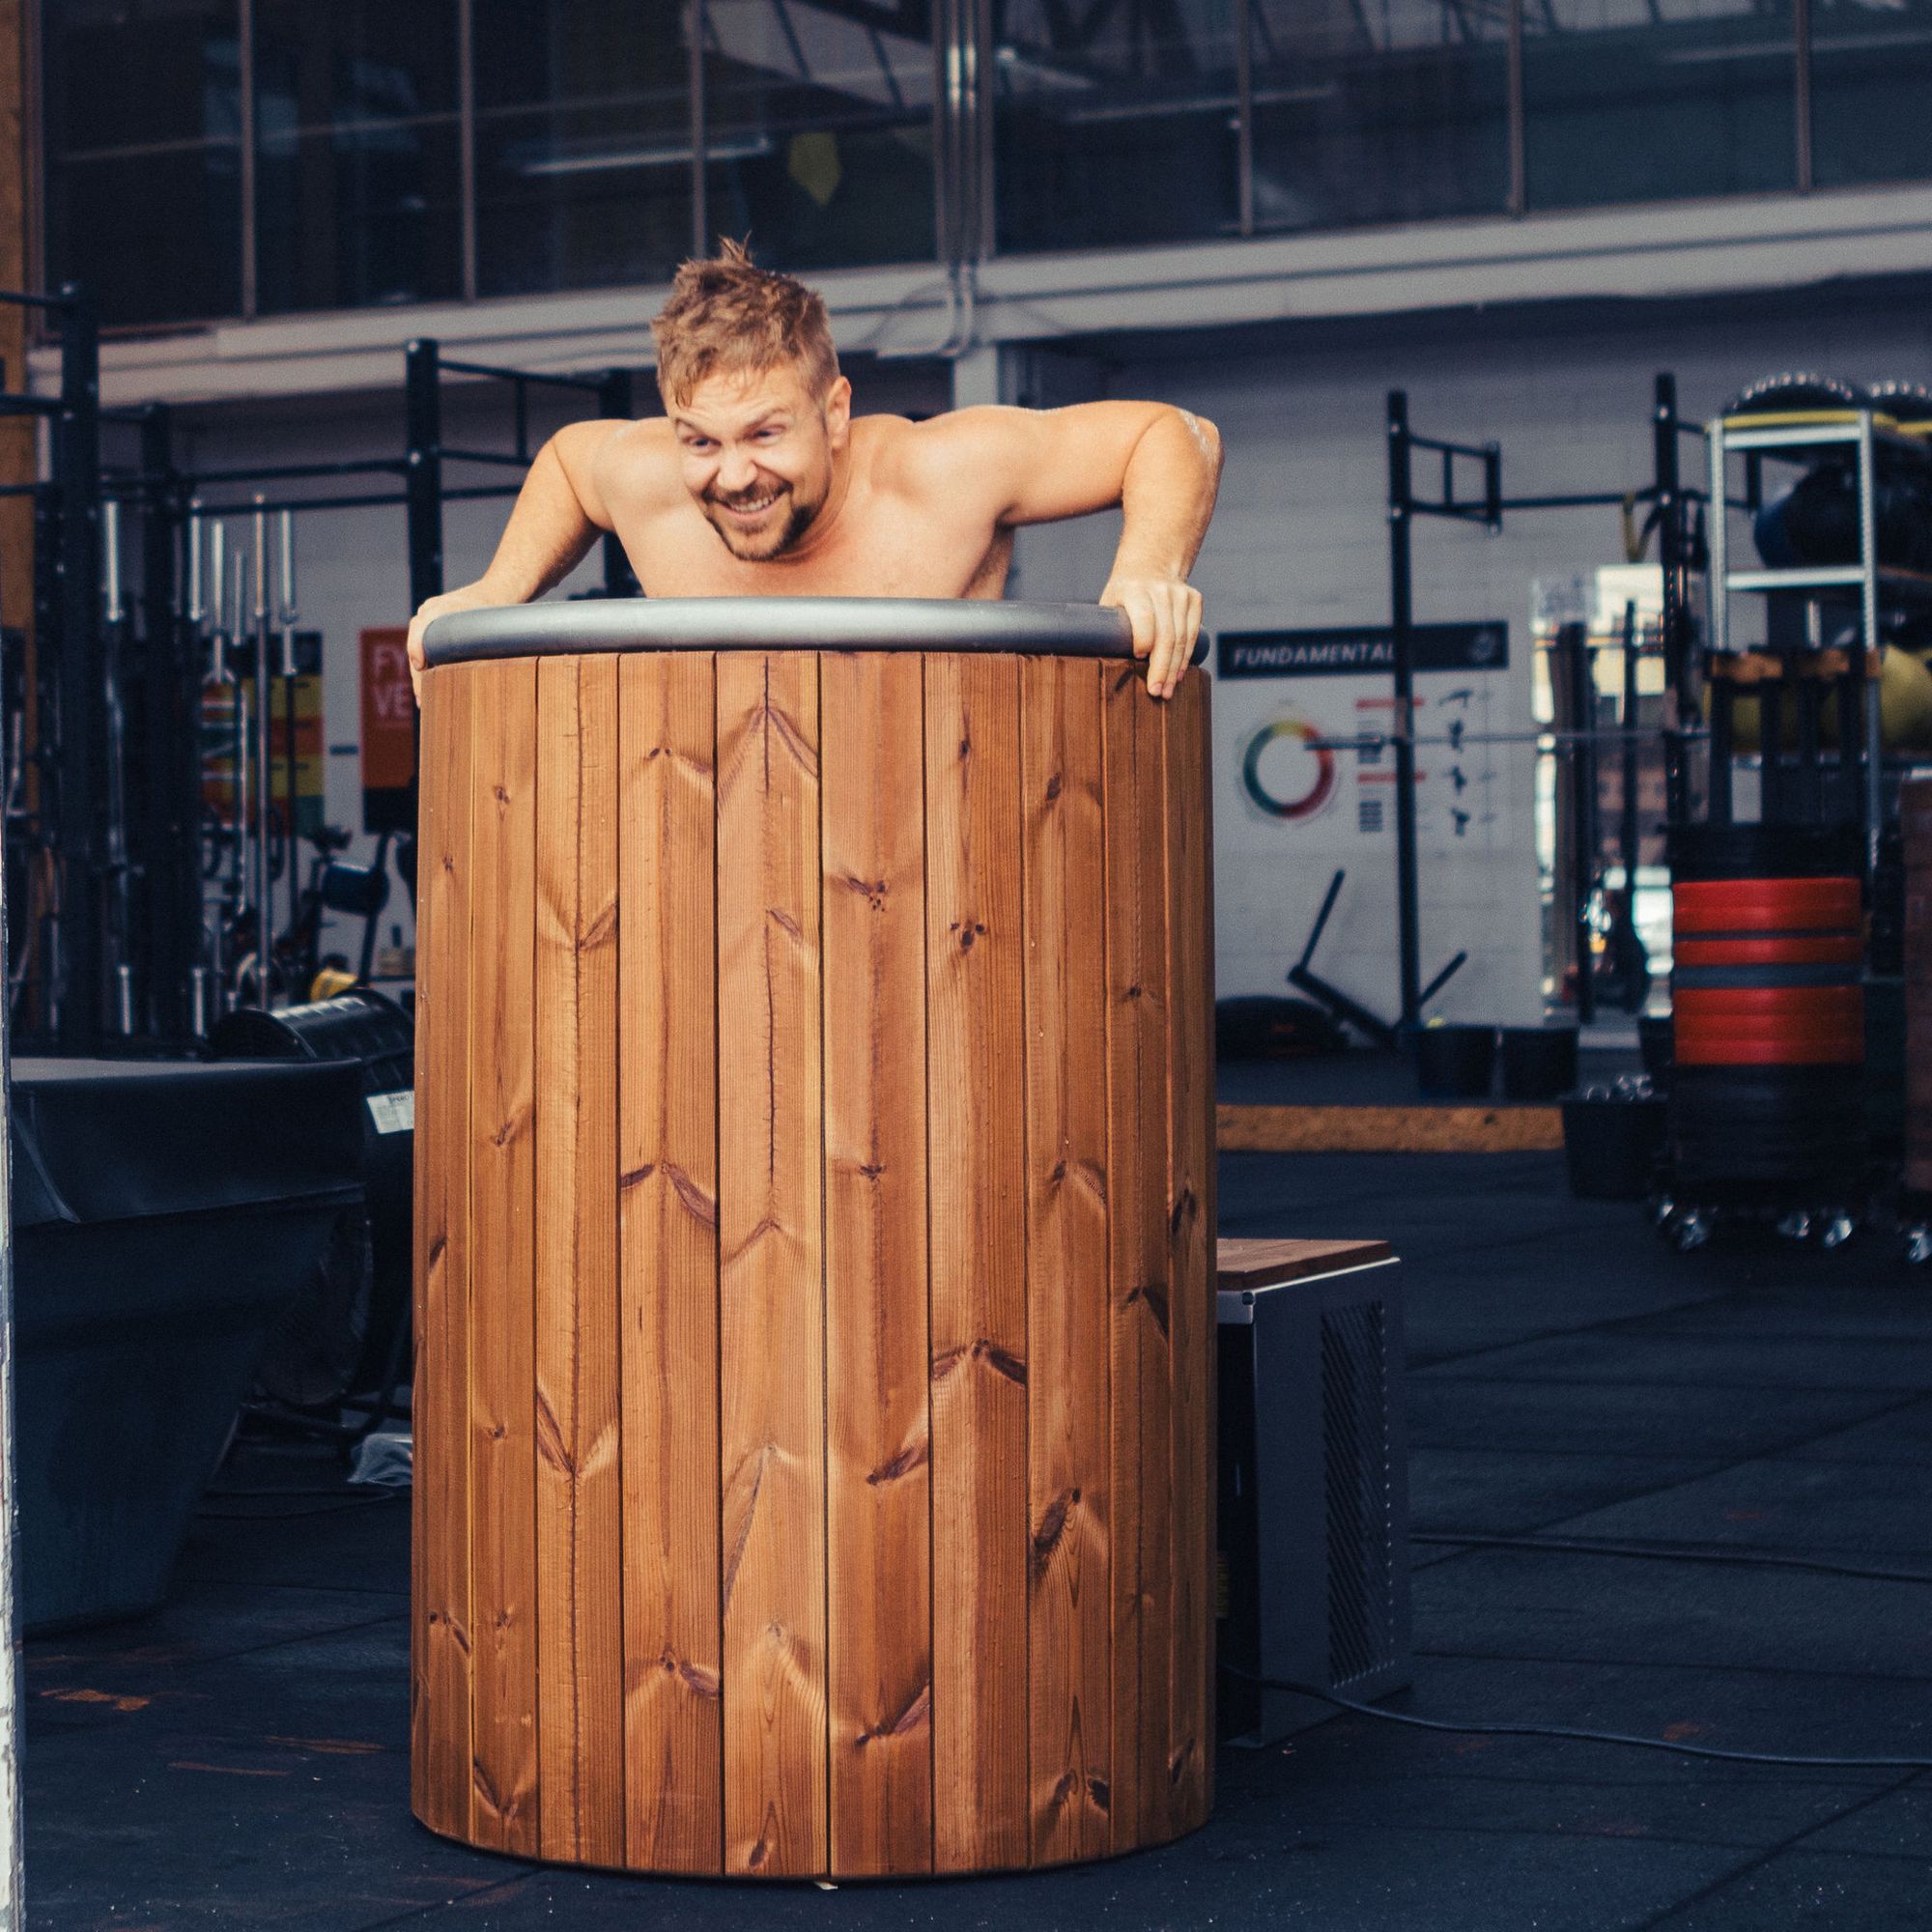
(1355, 1452)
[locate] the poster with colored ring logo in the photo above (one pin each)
(1305, 783)
(1288, 770)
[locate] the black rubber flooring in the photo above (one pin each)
(238, 1760)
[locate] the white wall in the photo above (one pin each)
(1300, 537)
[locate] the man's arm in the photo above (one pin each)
(557, 516)
(1161, 465)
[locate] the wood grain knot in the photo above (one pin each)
(1053, 788)
(968, 931)
(914, 1718)
(552, 1448)
(912, 1456)
(694, 1677)
(691, 1198)
(1185, 1209)
(602, 928)
(1046, 1539)
(1099, 1793)
(1086, 1174)
(767, 1832)
(1154, 1295)
(872, 890)
(803, 754)
(750, 1474)
(1001, 1360)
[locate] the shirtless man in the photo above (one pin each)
(758, 481)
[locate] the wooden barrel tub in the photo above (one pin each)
(814, 1207)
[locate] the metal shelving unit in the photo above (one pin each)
(1872, 587)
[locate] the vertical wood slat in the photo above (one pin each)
(977, 1099)
(1203, 1033)
(1067, 1442)
(878, 1500)
(1189, 1269)
(1137, 1258)
(771, 1245)
(439, 1703)
(668, 1222)
(580, 1529)
(503, 1313)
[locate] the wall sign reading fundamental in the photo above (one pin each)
(814, 1291)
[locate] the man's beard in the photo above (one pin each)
(766, 545)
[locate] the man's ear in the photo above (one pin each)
(839, 408)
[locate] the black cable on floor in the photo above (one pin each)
(1657, 1552)
(1575, 1735)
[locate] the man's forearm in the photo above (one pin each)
(547, 535)
(1167, 496)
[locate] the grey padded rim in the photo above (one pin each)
(781, 624)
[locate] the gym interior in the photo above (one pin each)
(1352, 1355)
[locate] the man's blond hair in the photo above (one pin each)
(728, 316)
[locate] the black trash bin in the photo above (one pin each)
(1456, 1063)
(1538, 1062)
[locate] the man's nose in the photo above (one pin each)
(736, 472)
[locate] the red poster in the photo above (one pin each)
(388, 710)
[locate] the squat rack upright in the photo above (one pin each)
(81, 621)
(1674, 511)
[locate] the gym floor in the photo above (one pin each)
(240, 1759)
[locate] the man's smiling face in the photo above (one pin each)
(758, 451)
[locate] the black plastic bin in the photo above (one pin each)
(165, 1216)
(372, 1030)
(1538, 1062)
(1456, 1063)
(1655, 1041)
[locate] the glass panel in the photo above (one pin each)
(1632, 100)
(818, 129)
(357, 184)
(582, 143)
(1871, 91)
(1115, 122)
(144, 156)
(1378, 110)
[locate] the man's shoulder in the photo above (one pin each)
(637, 462)
(939, 452)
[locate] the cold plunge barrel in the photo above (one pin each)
(1768, 1092)
(814, 1197)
